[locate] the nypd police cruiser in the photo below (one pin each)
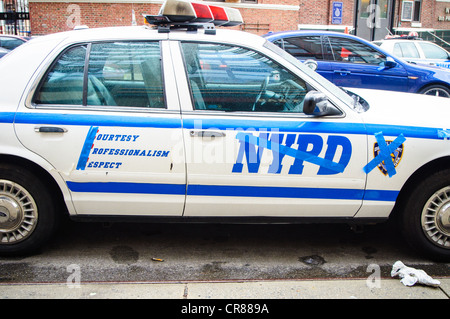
(184, 120)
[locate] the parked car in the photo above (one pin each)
(10, 42)
(416, 51)
(350, 61)
(101, 123)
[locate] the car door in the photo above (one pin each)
(257, 154)
(356, 64)
(106, 117)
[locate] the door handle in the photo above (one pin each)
(342, 72)
(207, 133)
(49, 129)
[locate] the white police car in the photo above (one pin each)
(209, 125)
(416, 51)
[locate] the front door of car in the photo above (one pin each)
(250, 149)
(108, 121)
(356, 64)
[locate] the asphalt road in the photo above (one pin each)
(144, 252)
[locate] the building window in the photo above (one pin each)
(407, 10)
(411, 10)
(417, 10)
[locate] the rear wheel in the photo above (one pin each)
(426, 216)
(27, 211)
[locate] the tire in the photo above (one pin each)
(425, 219)
(436, 90)
(27, 211)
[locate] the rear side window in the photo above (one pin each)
(10, 43)
(307, 47)
(64, 82)
(406, 50)
(105, 74)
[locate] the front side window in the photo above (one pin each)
(235, 79)
(349, 50)
(433, 52)
(117, 74)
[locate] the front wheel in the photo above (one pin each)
(27, 211)
(426, 216)
(436, 90)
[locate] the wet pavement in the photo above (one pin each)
(135, 260)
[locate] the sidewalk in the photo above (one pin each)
(278, 289)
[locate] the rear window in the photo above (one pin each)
(105, 74)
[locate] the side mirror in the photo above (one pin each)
(316, 103)
(312, 64)
(390, 63)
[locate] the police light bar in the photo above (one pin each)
(183, 13)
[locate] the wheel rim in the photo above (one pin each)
(18, 213)
(436, 218)
(437, 92)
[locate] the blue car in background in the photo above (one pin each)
(350, 61)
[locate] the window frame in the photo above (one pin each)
(39, 82)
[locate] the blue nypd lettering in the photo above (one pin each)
(129, 152)
(309, 146)
(117, 137)
(100, 150)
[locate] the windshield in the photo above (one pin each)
(338, 92)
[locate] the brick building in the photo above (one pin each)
(370, 19)
(53, 16)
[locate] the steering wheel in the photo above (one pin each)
(261, 91)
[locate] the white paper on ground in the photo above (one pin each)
(410, 276)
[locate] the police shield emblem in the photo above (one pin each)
(396, 156)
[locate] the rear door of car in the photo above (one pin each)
(106, 116)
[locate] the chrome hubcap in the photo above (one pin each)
(18, 213)
(436, 218)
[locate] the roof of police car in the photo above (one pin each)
(150, 33)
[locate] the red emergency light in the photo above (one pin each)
(183, 12)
